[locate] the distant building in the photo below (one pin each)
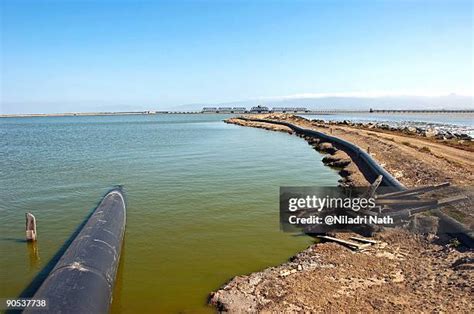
(259, 109)
(289, 109)
(224, 110)
(239, 110)
(209, 110)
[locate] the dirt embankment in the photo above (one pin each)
(401, 273)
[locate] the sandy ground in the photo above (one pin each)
(403, 272)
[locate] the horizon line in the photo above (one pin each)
(154, 112)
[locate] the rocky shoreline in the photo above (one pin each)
(427, 129)
(429, 132)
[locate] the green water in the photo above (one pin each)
(202, 199)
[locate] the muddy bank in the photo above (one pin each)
(401, 273)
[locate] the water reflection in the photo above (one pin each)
(33, 254)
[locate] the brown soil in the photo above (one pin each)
(401, 273)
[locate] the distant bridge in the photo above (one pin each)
(421, 111)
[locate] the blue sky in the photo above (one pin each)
(59, 56)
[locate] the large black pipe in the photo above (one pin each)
(83, 279)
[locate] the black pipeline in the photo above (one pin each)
(353, 150)
(83, 279)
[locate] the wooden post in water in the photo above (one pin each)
(30, 227)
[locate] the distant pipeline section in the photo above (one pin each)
(83, 279)
(361, 157)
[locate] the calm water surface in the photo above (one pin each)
(202, 199)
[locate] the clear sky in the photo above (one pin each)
(65, 55)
